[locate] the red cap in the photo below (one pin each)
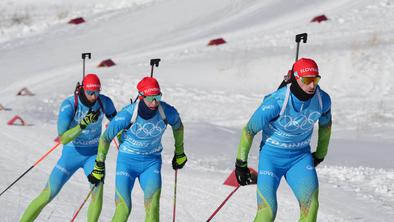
(305, 67)
(91, 82)
(148, 86)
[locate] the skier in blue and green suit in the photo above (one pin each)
(140, 126)
(79, 127)
(286, 118)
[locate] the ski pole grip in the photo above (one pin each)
(86, 54)
(155, 62)
(302, 36)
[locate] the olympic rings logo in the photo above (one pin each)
(147, 130)
(299, 122)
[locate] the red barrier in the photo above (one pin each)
(218, 41)
(106, 63)
(76, 21)
(24, 92)
(15, 118)
(232, 179)
(3, 108)
(319, 18)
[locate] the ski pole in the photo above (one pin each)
(298, 38)
(84, 56)
(35, 164)
(222, 204)
(116, 144)
(174, 208)
(83, 203)
(154, 62)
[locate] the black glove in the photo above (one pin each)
(91, 117)
(242, 173)
(98, 173)
(316, 161)
(178, 161)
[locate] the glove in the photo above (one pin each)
(98, 173)
(91, 117)
(242, 173)
(316, 161)
(178, 161)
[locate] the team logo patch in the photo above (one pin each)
(148, 130)
(303, 122)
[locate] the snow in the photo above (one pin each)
(215, 89)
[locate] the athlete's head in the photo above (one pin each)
(149, 92)
(306, 74)
(91, 86)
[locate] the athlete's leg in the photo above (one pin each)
(302, 179)
(96, 202)
(267, 184)
(150, 181)
(124, 183)
(35, 207)
(63, 170)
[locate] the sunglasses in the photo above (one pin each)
(154, 97)
(91, 93)
(308, 80)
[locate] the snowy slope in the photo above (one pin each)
(214, 88)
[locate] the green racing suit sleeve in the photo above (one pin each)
(244, 145)
(266, 112)
(70, 134)
(102, 149)
(323, 140)
(178, 137)
(115, 126)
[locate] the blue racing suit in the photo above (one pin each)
(139, 157)
(81, 152)
(287, 125)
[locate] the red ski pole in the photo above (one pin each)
(222, 204)
(174, 208)
(116, 144)
(83, 203)
(35, 164)
(232, 181)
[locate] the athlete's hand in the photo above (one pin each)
(242, 173)
(316, 161)
(98, 173)
(91, 117)
(178, 161)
